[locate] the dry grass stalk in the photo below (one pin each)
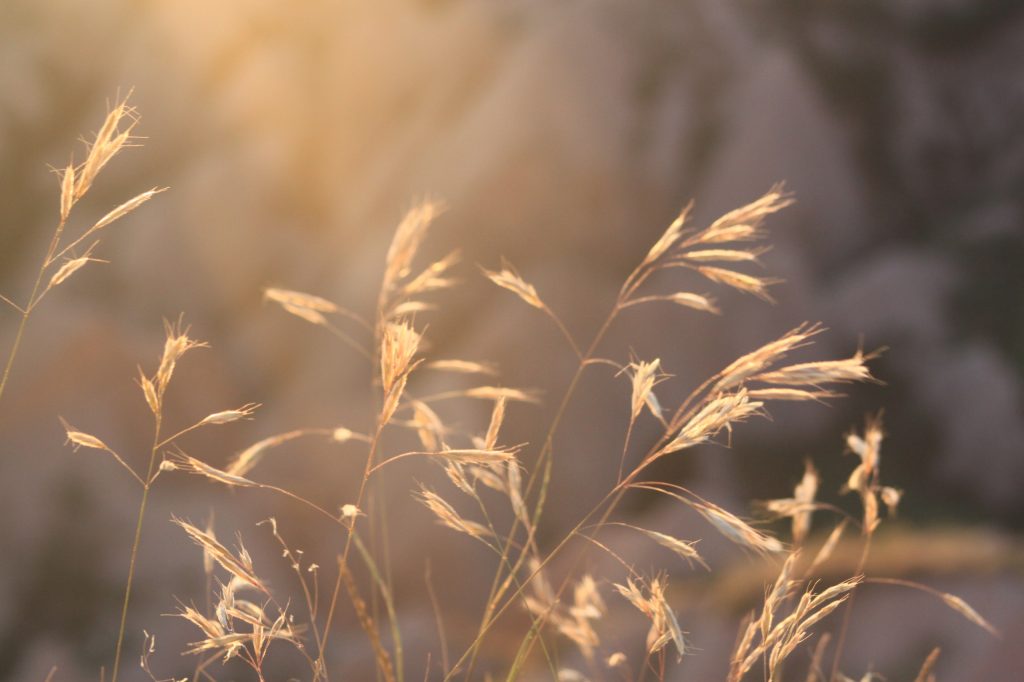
(800, 507)
(183, 462)
(792, 607)
(176, 345)
(497, 418)
(228, 416)
(645, 376)
(407, 240)
(499, 392)
(509, 279)
(251, 456)
(758, 286)
(728, 524)
(670, 238)
(745, 223)
(240, 567)
(366, 622)
(447, 515)
(925, 673)
(429, 426)
(683, 548)
(462, 367)
(664, 626)
(774, 635)
(75, 181)
(755, 362)
(305, 306)
(717, 414)
(79, 439)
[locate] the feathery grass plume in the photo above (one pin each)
(497, 418)
(967, 611)
(239, 567)
(737, 530)
(748, 284)
(821, 372)
(399, 344)
(773, 637)
(755, 362)
(868, 449)
(729, 525)
(475, 455)
(644, 377)
(447, 515)
(683, 548)
(487, 476)
(67, 191)
(214, 634)
(176, 345)
(717, 414)
(744, 223)
(507, 278)
(73, 265)
(575, 622)
(864, 478)
(664, 626)
(689, 299)
(804, 494)
(457, 475)
(407, 240)
(79, 439)
(514, 479)
(228, 416)
(780, 591)
(497, 392)
(462, 367)
(800, 507)
(307, 306)
(148, 392)
(409, 308)
(224, 634)
(398, 347)
(791, 394)
(723, 255)
(108, 142)
(432, 277)
(124, 209)
(669, 238)
(183, 462)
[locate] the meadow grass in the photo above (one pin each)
(244, 616)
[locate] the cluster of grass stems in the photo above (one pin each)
(243, 617)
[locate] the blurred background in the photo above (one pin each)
(563, 136)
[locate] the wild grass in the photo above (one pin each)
(248, 620)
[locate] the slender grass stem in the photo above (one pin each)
(135, 549)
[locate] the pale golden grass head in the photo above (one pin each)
(509, 279)
(407, 240)
(239, 565)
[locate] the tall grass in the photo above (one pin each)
(245, 619)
